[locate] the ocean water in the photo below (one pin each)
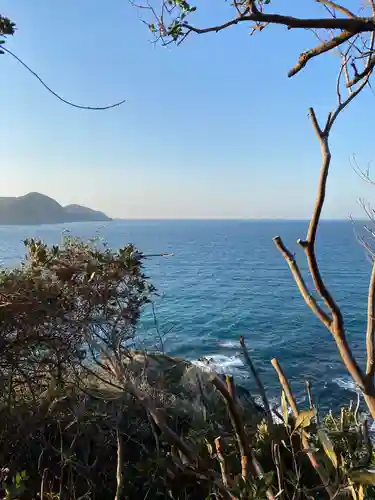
(226, 279)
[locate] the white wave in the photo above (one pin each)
(220, 363)
(347, 384)
(231, 344)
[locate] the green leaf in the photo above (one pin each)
(304, 418)
(18, 480)
(284, 407)
(352, 490)
(268, 478)
(361, 493)
(328, 447)
(365, 476)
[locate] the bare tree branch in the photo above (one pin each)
(370, 333)
(258, 381)
(359, 76)
(222, 463)
(309, 299)
(305, 57)
(337, 7)
(354, 25)
(335, 323)
(286, 387)
(305, 442)
(120, 463)
(236, 422)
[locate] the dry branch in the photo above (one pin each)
(305, 442)
(286, 387)
(359, 76)
(120, 462)
(353, 25)
(221, 459)
(237, 423)
(370, 332)
(337, 7)
(305, 57)
(309, 299)
(334, 323)
(258, 381)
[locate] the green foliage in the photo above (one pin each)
(328, 447)
(62, 306)
(173, 22)
(63, 309)
(7, 27)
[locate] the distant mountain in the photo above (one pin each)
(36, 208)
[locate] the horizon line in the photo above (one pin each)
(236, 219)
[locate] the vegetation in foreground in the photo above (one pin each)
(79, 422)
(83, 416)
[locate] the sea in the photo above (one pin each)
(225, 279)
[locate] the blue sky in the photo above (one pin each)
(213, 128)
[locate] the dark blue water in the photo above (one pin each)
(227, 279)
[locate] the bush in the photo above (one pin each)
(63, 306)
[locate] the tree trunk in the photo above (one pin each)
(370, 401)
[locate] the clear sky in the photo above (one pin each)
(213, 128)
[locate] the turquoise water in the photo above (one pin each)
(227, 279)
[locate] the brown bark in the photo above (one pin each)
(333, 321)
(305, 442)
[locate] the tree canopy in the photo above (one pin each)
(350, 31)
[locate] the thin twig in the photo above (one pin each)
(236, 422)
(42, 484)
(221, 459)
(338, 7)
(258, 469)
(286, 387)
(359, 76)
(120, 461)
(278, 464)
(65, 101)
(370, 332)
(308, 390)
(305, 442)
(159, 418)
(258, 381)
